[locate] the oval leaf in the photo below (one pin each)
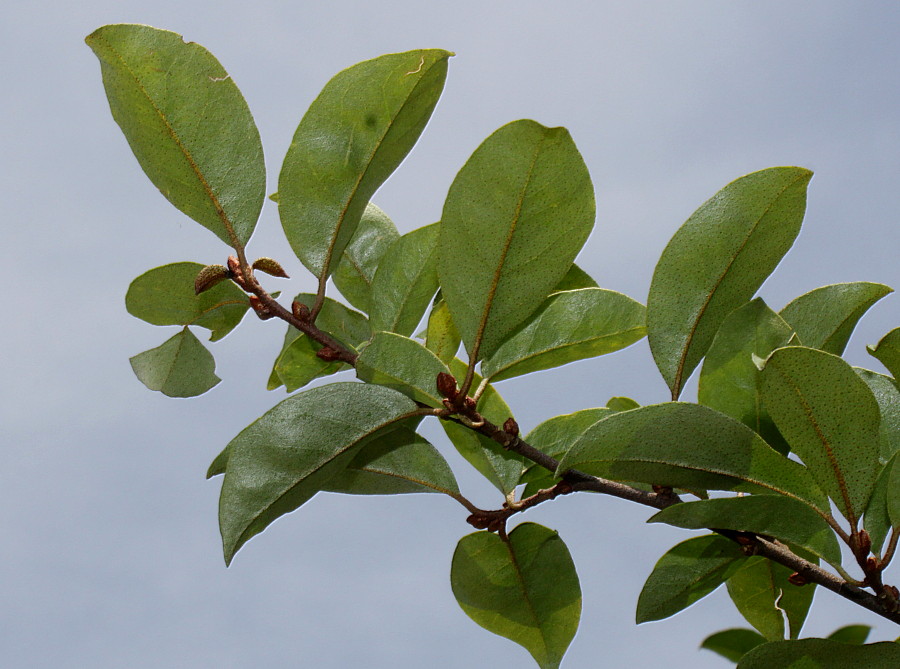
(181, 367)
(824, 318)
(354, 273)
(569, 326)
(855, 634)
(688, 446)
(733, 644)
(821, 654)
(729, 379)
(397, 463)
(887, 351)
(830, 418)
(289, 454)
(441, 337)
(354, 135)
(574, 279)
(888, 397)
(165, 296)
(686, 573)
(515, 217)
(188, 125)
(402, 364)
(503, 586)
(405, 281)
(784, 518)
(877, 521)
(716, 262)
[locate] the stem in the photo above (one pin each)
(891, 548)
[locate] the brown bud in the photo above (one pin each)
(478, 522)
(261, 309)
(871, 565)
(300, 311)
(511, 427)
(328, 354)
(270, 266)
(496, 525)
(470, 404)
(236, 274)
(209, 276)
(446, 385)
(797, 579)
(864, 543)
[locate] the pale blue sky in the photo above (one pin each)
(111, 553)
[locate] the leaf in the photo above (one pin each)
(524, 589)
(765, 597)
(892, 498)
(289, 454)
(405, 281)
(574, 279)
(853, 634)
(402, 364)
(688, 446)
(218, 465)
(622, 404)
(354, 273)
(180, 367)
(554, 437)
(397, 463)
(297, 363)
(687, 572)
(716, 261)
(187, 124)
(830, 418)
(887, 351)
(786, 519)
(441, 337)
(729, 379)
(824, 318)
(877, 521)
(569, 326)
(354, 135)
(821, 654)
(165, 296)
(888, 397)
(515, 217)
(501, 467)
(734, 643)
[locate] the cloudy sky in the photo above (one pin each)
(110, 550)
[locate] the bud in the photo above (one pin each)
(270, 266)
(797, 579)
(865, 543)
(209, 276)
(478, 522)
(300, 311)
(470, 404)
(236, 274)
(328, 354)
(511, 427)
(446, 385)
(261, 309)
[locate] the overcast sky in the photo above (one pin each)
(110, 549)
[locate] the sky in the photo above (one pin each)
(110, 549)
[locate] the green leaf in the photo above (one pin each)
(354, 135)
(297, 363)
(877, 521)
(687, 572)
(729, 379)
(402, 364)
(289, 454)
(762, 593)
(165, 296)
(554, 437)
(569, 326)
(441, 337)
(821, 654)
(181, 367)
(397, 463)
(574, 279)
(853, 634)
(824, 318)
(830, 418)
(716, 261)
(887, 351)
(516, 216)
(405, 281)
(188, 125)
(888, 397)
(524, 588)
(688, 446)
(733, 644)
(354, 273)
(501, 467)
(622, 404)
(218, 465)
(892, 498)
(784, 518)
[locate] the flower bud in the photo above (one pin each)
(270, 266)
(446, 385)
(511, 427)
(209, 276)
